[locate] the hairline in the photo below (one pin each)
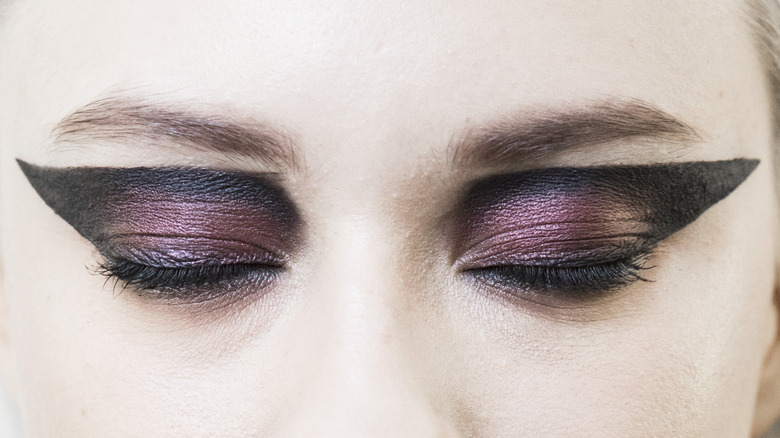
(764, 20)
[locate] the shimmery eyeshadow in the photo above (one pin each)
(172, 217)
(569, 217)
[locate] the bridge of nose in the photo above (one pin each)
(363, 374)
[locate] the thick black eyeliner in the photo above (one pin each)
(101, 202)
(553, 221)
(179, 231)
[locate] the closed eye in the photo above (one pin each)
(195, 283)
(574, 233)
(568, 281)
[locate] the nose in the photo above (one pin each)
(365, 375)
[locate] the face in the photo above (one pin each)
(406, 219)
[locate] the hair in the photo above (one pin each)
(765, 20)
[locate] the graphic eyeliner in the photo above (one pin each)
(169, 227)
(583, 229)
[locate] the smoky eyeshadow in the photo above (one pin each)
(173, 217)
(585, 217)
(572, 228)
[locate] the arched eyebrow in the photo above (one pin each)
(123, 118)
(528, 134)
(543, 131)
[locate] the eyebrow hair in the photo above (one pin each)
(532, 135)
(119, 117)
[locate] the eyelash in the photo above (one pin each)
(587, 280)
(190, 283)
(207, 281)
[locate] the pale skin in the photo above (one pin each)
(373, 335)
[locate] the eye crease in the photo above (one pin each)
(184, 234)
(577, 232)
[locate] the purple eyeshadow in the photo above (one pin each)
(553, 228)
(569, 217)
(574, 229)
(192, 231)
(173, 217)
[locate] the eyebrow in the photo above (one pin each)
(123, 118)
(535, 134)
(524, 135)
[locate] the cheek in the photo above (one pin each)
(679, 356)
(89, 360)
(636, 378)
(57, 325)
(522, 376)
(89, 364)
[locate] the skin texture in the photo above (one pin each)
(373, 332)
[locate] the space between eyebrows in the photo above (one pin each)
(538, 133)
(138, 119)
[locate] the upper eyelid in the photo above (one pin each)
(180, 251)
(104, 202)
(739, 169)
(652, 195)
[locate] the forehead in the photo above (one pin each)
(337, 67)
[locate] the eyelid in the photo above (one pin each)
(522, 246)
(183, 251)
(556, 220)
(173, 270)
(578, 276)
(158, 226)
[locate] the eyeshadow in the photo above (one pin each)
(572, 217)
(170, 216)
